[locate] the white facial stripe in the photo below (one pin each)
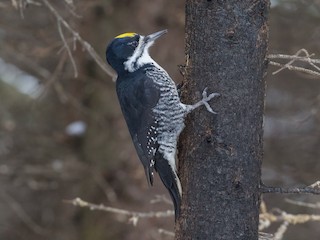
(139, 58)
(129, 64)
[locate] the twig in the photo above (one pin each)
(161, 198)
(266, 218)
(84, 43)
(265, 236)
(69, 2)
(286, 217)
(22, 4)
(104, 185)
(66, 46)
(165, 232)
(14, 4)
(289, 190)
(304, 204)
(288, 64)
(51, 80)
(315, 185)
(281, 231)
(134, 216)
(71, 8)
(293, 58)
(22, 215)
(294, 68)
(312, 189)
(299, 218)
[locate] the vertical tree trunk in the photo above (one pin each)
(220, 155)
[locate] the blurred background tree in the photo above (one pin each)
(63, 137)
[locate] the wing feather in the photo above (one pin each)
(137, 99)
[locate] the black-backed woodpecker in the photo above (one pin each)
(151, 107)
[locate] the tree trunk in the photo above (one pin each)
(220, 155)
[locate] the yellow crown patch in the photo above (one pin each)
(129, 34)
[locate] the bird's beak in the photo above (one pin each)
(152, 37)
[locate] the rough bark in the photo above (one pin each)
(220, 155)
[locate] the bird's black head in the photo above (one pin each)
(129, 51)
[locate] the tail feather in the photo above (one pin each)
(171, 181)
(149, 175)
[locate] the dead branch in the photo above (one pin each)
(304, 204)
(296, 58)
(76, 36)
(161, 198)
(165, 232)
(294, 68)
(266, 218)
(66, 46)
(133, 216)
(22, 214)
(281, 231)
(286, 217)
(265, 236)
(312, 189)
(22, 4)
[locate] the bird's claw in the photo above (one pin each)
(206, 99)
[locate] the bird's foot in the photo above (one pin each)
(205, 99)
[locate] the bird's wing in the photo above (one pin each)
(137, 99)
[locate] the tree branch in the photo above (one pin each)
(265, 236)
(66, 46)
(165, 232)
(312, 189)
(296, 58)
(293, 68)
(304, 204)
(22, 214)
(290, 218)
(281, 231)
(266, 218)
(133, 216)
(78, 38)
(161, 198)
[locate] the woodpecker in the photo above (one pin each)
(151, 106)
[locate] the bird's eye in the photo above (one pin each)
(133, 44)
